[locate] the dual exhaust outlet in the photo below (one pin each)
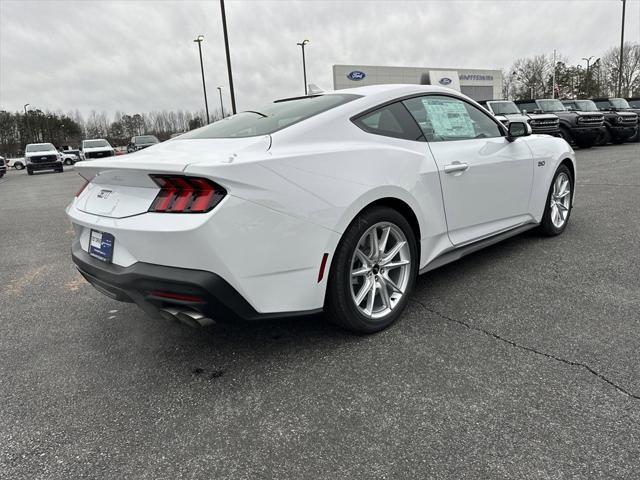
(187, 316)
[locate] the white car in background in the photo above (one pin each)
(17, 163)
(96, 148)
(332, 202)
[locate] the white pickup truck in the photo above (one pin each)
(42, 156)
(96, 148)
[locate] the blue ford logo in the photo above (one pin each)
(356, 75)
(445, 81)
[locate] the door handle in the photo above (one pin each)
(456, 167)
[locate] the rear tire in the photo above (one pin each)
(18, 166)
(361, 270)
(559, 203)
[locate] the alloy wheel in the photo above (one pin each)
(380, 270)
(560, 200)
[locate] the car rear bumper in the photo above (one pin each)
(270, 259)
(161, 287)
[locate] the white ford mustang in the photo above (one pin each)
(332, 203)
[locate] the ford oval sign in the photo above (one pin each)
(356, 75)
(445, 81)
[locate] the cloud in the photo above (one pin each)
(139, 56)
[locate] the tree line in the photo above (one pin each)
(18, 129)
(532, 77)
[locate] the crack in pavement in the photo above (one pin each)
(530, 349)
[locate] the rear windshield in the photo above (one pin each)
(144, 139)
(270, 118)
(94, 143)
(39, 147)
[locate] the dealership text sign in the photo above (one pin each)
(467, 76)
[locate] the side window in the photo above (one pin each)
(390, 121)
(446, 118)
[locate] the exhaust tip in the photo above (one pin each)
(187, 316)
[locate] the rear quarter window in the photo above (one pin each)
(392, 120)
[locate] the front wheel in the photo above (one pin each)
(373, 271)
(29, 171)
(566, 135)
(558, 207)
(605, 138)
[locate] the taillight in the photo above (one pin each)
(81, 189)
(180, 194)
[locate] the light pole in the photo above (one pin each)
(624, 4)
(204, 87)
(553, 87)
(26, 118)
(221, 105)
(226, 48)
(304, 64)
(587, 79)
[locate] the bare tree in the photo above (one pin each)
(610, 62)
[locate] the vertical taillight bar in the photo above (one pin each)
(183, 194)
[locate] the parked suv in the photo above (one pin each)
(3, 167)
(619, 126)
(506, 111)
(95, 148)
(582, 128)
(141, 141)
(42, 156)
(619, 105)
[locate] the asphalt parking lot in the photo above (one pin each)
(520, 361)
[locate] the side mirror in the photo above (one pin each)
(518, 129)
(524, 111)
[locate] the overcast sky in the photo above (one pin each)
(139, 56)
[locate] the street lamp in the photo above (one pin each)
(204, 87)
(304, 65)
(624, 4)
(221, 105)
(226, 49)
(26, 118)
(587, 79)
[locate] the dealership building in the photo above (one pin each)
(477, 84)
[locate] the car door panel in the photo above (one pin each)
(492, 193)
(485, 178)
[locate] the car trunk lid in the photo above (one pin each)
(122, 187)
